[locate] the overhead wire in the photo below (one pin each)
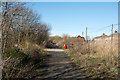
(103, 28)
(93, 31)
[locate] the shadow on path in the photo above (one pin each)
(59, 65)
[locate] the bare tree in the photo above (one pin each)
(19, 23)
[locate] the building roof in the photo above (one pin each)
(102, 36)
(115, 34)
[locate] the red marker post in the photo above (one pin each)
(65, 46)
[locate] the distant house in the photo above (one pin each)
(115, 35)
(105, 37)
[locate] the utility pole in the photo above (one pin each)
(112, 38)
(87, 40)
(86, 32)
(82, 34)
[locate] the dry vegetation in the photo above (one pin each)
(98, 58)
(23, 38)
(65, 39)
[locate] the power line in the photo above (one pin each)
(102, 28)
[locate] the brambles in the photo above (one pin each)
(98, 58)
(100, 61)
(20, 24)
(18, 64)
(23, 37)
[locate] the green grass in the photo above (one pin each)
(75, 60)
(65, 49)
(23, 57)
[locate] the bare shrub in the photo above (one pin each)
(66, 39)
(21, 30)
(21, 24)
(100, 58)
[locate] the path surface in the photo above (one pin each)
(59, 65)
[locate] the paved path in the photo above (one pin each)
(59, 65)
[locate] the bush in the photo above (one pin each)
(18, 64)
(97, 58)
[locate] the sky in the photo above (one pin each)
(72, 18)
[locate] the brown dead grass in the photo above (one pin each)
(99, 58)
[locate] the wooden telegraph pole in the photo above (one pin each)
(82, 34)
(87, 40)
(86, 32)
(112, 38)
(112, 42)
